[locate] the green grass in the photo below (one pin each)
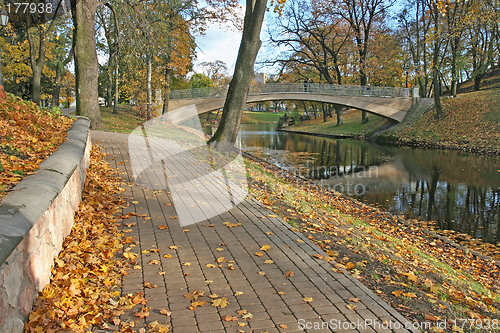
(351, 126)
(125, 121)
(250, 117)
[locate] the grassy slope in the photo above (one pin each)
(352, 125)
(471, 122)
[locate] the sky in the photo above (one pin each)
(222, 43)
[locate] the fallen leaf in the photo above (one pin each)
(268, 261)
(229, 318)
(153, 262)
(283, 326)
(221, 260)
(231, 225)
(265, 248)
(167, 256)
(196, 304)
(174, 247)
(259, 254)
(194, 295)
(350, 306)
(247, 315)
(165, 312)
(219, 249)
(238, 293)
(431, 317)
(221, 302)
(355, 300)
(210, 265)
(150, 285)
(213, 296)
(308, 299)
(411, 295)
(186, 264)
(242, 324)
(299, 241)
(162, 227)
(262, 273)
(289, 274)
(397, 293)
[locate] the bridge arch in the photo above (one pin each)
(390, 103)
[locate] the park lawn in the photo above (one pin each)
(262, 117)
(471, 121)
(352, 125)
(125, 121)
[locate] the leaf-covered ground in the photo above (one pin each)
(471, 121)
(28, 135)
(421, 276)
(85, 278)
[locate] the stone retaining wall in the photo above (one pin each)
(34, 219)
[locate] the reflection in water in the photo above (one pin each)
(457, 190)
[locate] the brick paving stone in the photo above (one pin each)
(191, 192)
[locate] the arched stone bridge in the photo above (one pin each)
(388, 102)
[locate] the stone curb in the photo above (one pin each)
(28, 201)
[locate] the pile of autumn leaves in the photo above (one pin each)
(28, 135)
(86, 275)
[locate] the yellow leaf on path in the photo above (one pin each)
(221, 260)
(229, 318)
(242, 324)
(238, 293)
(194, 295)
(350, 306)
(262, 273)
(271, 215)
(219, 249)
(210, 265)
(162, 227)
(283, 326)
(299, 241)
(231, 225)
(137, 267)
(259, 254)
(213, 296)
(221, 302)
(165, 312)
(308, 299)
(173, 247)
(268, 262)
(355, 300)
(150, 285)
(167, 255)
(397, 293)
(130, 255)
(196, 304)
(265, 248)
(153, 262)
(135, 202)
(186, 264)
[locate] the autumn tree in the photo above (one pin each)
(363, 16)
(217, 72)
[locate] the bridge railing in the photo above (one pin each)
(307, 88)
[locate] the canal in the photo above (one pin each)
(460, 191)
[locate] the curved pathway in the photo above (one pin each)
(275, 301)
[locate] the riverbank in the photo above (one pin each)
(421, 274)
(471, 123)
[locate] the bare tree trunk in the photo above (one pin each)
(149, 109)
(56, 91)
(166, 96)
(109, 93)
(117, 83)
(226, 133)
(340, 114)
(86, 65)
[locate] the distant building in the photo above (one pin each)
(260, 78)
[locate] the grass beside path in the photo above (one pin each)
(351, 127)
